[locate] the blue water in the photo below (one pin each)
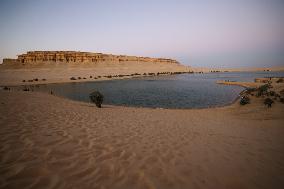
(171, 91)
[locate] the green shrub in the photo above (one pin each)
(72, 78)
(268, 102)
(244, 100)
(97, 98)
(272, 93)
(263, 87)
(262, 90)
(250, 90)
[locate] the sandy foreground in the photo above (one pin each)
(51, 142)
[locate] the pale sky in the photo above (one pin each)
(206, 33)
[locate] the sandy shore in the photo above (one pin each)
(61, 73)
(51, 142)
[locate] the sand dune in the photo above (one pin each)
(50, 142)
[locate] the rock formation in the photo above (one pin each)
(34, 57)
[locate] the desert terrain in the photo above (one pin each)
(51, 142)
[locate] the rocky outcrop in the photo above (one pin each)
(10, 61)
(34, 57)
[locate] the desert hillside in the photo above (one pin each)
(60, 66)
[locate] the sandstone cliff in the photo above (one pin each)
(35, 57)
(60, 66)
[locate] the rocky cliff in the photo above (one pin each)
(34, 57)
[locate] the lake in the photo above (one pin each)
(169, 91)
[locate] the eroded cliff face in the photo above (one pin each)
(35, 57)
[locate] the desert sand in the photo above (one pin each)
(51, 142)
(12, 75)
(61, 73)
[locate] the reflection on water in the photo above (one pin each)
(172, 91)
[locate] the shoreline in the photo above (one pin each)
(103, 76)
(245, 85)
(233, 102)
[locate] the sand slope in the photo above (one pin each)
(50, 142)
(56, 73)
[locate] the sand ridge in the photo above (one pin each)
(50, 142)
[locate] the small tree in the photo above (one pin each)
(97, 98)
(268, 102)
(244, 100)
(262, 90)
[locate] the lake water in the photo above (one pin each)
(170, 91)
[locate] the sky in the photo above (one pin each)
(203, 33)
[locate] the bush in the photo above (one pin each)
(79, 77)
(250, 90)
(24, 81)
(97, 98)
(91, 76)
(268, 102)
(36, 79)
(262, 90)
(282, 99)
(282, 92)
(43, 79)
(6, 88)
(72, 78)
(244, 100)
(272, 93)
(280, 80)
